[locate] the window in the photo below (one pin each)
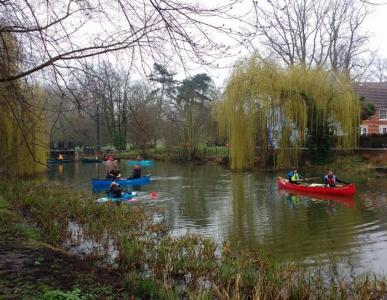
(383, 114)
(383, 129)
(363, 130)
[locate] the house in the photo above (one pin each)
(376, 93)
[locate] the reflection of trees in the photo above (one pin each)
(374, 208)
(293, 227)
(198, 193)
(243, 219)
(309, 229)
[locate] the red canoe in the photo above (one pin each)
(344, 190)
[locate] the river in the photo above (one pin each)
(248, 210)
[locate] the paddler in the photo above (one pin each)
(330, 179)
(115, 190)
(294, 177)
(136, 171)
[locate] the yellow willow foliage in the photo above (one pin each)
(23, 147)
(23, 150)
(263, 100)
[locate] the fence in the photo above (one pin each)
(373, 141)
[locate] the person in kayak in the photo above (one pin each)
(294, 177)
(330, 180)
(136, 172)
(115, 190)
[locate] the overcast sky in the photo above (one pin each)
(377, 23)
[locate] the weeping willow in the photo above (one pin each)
(23, 147)
(291, 108)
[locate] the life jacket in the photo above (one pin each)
(295, 177)
(330, 180)
(115, 190)
(136, 172)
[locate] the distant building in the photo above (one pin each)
(376, 93)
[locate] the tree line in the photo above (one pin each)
(143, 113)
(85, 58)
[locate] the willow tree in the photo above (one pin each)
(23, 147)
(287, 108)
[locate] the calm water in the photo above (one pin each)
(248, 210)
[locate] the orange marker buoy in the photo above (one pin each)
(153, 195)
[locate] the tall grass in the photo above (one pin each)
(155, 265)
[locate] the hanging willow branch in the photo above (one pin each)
(264, 104)
(23, 147)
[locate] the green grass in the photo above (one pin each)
(63, 295)
(26, 231)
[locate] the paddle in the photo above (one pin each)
(310, 178)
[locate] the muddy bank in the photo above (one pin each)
(31, 271)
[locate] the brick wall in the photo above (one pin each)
(373, 123)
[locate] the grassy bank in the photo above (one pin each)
(350, 163)
(175, 153)
(150, 263)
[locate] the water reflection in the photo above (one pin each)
(248, 210)
(347, 201)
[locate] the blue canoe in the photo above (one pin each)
(103, 183)
(141, 162)
(127, 196)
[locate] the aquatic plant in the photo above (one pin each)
(266, 106)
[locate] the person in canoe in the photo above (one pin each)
(330, 179)
(109, 164)
(113, 175)
(294, 177)
(115, 190)
(136, 172)
(113, 172)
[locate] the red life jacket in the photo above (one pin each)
(331, 180)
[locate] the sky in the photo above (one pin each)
(376, 23)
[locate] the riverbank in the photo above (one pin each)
(42, 224)
(30, 268)
(359, 160)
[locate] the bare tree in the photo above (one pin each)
(379, 69)
(60, 33)
(146, 123)
(67, 124)
(315, 33)
(107, 87)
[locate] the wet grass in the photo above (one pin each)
(154, 265)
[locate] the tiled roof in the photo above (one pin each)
(375, 92)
